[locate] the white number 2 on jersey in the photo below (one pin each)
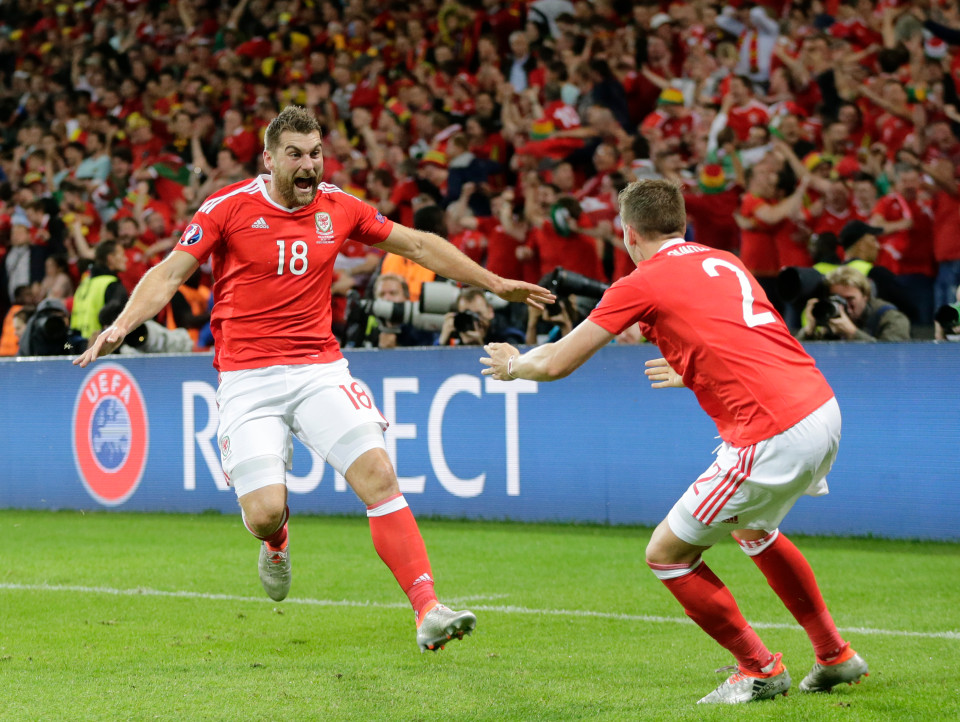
(298, 257)
(749, 317)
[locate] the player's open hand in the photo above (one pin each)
(662, 375)
(499, 362)
(528, 293)
(104, 344)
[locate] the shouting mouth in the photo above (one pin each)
(305, 183)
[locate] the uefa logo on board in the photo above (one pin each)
(110, 434)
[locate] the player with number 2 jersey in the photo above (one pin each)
(708, 316)
(777, 416)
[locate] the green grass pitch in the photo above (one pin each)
(115, 616)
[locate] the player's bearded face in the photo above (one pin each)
(297, 168)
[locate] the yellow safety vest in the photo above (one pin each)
(88, 299)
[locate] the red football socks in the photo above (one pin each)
(708, 602)
(397, 540)
(277, 541)
(789, 575)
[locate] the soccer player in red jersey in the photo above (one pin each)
(273, 242)
(776, 414)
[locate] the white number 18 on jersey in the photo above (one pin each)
(298, 257)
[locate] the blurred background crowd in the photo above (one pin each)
(820, 137)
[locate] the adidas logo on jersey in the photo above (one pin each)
(260, 223)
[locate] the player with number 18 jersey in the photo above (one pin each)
(713, 324)
(273, 269)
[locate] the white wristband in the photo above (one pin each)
(510, 367)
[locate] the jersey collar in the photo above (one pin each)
(669, 244)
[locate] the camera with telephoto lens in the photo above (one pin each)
(829, 308)
(394, 315)
(797, 284)
(466, 321)
(948, 316)
(561, 283)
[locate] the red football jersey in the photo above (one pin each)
(741, 119)
(758, 246)
(892, 207)
(272, 269)
(714, 325)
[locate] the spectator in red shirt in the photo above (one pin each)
(505, 234)
(761, 215)
(864, 199)
(711, 207)
(671, 121)
(895, 216)
(556, 238)
(244, 143)
(896, 123)
(606, 160)
(833, 211)
(917, 267)
(946, 230)
(745, 110)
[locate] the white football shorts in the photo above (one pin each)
(753, 487)
(260, 410)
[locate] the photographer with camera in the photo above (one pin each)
(148, 337)
(577, 295)
(850, 313)
(475, 323)
(393, 288)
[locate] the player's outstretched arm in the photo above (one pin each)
(549, 362)
(662, 375)
(153, 292)
(443, 258)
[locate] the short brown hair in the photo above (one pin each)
(471, 292)
(653, 208)
(378, 284)
(293, 119)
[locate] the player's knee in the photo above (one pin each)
(656, 551)
(381, 479)
(666, 549)
(262, 492)
(373, 478)
(654, 554)
(263, 519)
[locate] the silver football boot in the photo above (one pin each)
(741, 687)
(442, 624)
(274, 568)
(824, 677)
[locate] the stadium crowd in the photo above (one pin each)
(509, 127)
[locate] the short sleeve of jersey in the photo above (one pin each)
(201, 236)
(625, 303)
(891, 209)
(369, 225)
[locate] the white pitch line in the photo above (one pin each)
(147, 592)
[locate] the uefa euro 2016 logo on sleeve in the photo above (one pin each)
(110, 434)
(191, 234)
